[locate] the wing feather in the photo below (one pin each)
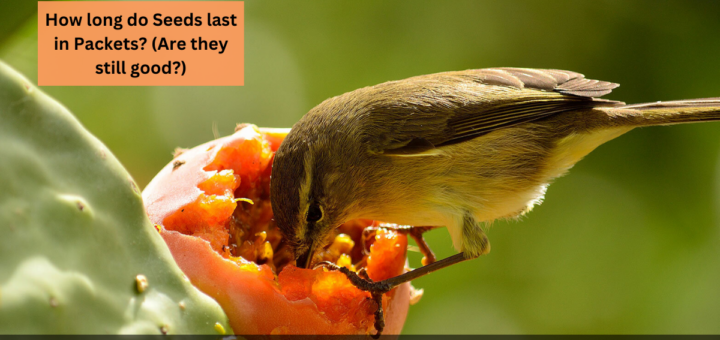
(420, 113)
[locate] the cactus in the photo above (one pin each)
(77, 251)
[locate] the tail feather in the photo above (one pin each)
(676, 112)
(704, 102)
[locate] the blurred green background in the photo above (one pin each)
(628, 242)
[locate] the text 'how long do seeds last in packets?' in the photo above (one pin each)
(140, 43)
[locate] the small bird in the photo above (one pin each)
(452, 149)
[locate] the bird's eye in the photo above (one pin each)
(314, 213)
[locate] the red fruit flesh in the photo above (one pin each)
(232, 250)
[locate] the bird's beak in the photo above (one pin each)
(305, 259)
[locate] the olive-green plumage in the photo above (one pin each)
(451, 149)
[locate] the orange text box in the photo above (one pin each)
(140, 43)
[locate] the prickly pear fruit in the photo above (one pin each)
(213, 209)
(77, 251)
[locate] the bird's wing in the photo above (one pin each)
(415, 115)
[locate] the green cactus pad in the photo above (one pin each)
(77, 251)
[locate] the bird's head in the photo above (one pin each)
(312, 190)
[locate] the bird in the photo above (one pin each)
(452, 149)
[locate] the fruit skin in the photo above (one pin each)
(250, 294)
(242, 291)
(76, 242)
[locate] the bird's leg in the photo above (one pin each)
(415, 232)
(417, 235)
(475, 243)
(377, 289)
